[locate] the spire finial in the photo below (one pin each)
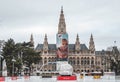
(31, 38)
(45, 35)
(91, 44)
(61, 9)
(77, 35)
(31, 41)
(115, 43)
(45, 38)
(91, 35)
(77, 39)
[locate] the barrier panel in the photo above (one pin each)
(96, 76)
(81, 76)
(26, 77)
(14, 78)
(2, 79)
(73, 77)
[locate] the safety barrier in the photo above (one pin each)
(2, 79)
(81, 76)
(72, 77)
(14, 78)
(96, 76)
(26, 77)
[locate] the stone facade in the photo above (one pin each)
(80, 56)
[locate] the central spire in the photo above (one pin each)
(61, 25)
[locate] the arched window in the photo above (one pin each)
(53, 59)
(78, 61)
(92, 60)
(82, 61)
(45, 60)
(73, 61)
(49, 59)
(88, 61)
(85, 61)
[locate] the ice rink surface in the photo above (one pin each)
(39, 79)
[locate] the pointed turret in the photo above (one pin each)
(31, 41)
(91, 44)
(45, 44)
(77, 44)
(61, 25)
(77, 40)
(45, 39)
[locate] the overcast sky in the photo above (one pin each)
(20, 18)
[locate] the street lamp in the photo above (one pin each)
(103, 62)
(0, 63)
(22, 70)
(13, 60)
(25, 67)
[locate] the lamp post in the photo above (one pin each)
(0, 63)
(26, 68)
(103, 62)
(22, 70)
(13, 60)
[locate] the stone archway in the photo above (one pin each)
(77, 70)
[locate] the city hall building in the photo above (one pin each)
(81, 57)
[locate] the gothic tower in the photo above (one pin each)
(45, 45)
(77, 44)
(91, 45)
(62, 39)
(61, 25)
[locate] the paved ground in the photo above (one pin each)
(39, 79)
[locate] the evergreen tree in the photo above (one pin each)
(8, 53)
(21, 52)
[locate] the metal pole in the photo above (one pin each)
(0, 63)
(13, 69)
(21, 53)
(13, 60)
(0, 66)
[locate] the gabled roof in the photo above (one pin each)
(83, 47)
(39, 47)
(53, 47)
(98, 52)
(102, 52)
(71, 47)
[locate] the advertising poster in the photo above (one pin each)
(62, 47)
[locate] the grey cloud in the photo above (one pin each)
(100, 17)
